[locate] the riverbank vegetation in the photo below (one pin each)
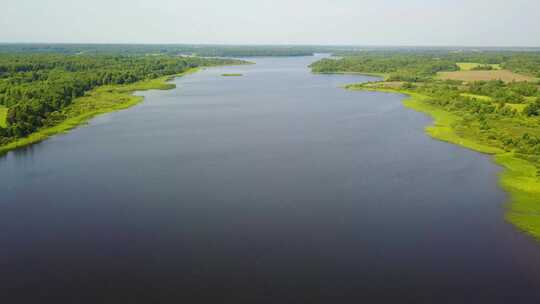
(45, 94)
(500, 117)
(3, 116)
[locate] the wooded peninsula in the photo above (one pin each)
(44, 94)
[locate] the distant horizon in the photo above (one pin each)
(272, 44)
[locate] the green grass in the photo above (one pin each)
(101, 100)
(479, 97)
(3, 116)
(468, 66)
(520, 181)
(232, 75)
(517, 106)
(443, 121)
(519, 177)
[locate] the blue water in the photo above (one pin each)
(274, 187)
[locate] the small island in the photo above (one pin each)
(232, 75)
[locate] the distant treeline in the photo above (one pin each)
(36, 87)
(406, 65)
(400, 67)
(153, 49)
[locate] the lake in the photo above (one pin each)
(274, 187)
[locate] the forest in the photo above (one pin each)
(35, 88)
(423, 65)
(399, 67)
(165, 49)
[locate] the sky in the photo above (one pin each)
(322, 22)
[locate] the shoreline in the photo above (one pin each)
(381, 75)
(101, 100)
(517, 178)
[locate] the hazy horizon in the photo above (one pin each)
(387, 23)
(274, 45)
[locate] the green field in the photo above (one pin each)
(481, 97)
(232, 75)
(472, 76)
(468, 66)
(3, 116)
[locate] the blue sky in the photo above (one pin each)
(359, 22)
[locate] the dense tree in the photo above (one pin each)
(169, 49)
(411, 64)
(533, 109)
(36, 86)
(411, 68)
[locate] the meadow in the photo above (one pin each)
(469, 66)
(469, 75)
(3, 116)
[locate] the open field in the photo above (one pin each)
(504, 75)
(519, 107)
(3, 114)
(480, 97)
(467, 66)
(232, 75)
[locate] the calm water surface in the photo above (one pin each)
(274, 187)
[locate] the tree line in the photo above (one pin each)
(166, 49)
(399, 67)
(420, 65)
(36, 86)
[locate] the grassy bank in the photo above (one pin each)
(3, 116)
(101, 100)
(519, 177)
